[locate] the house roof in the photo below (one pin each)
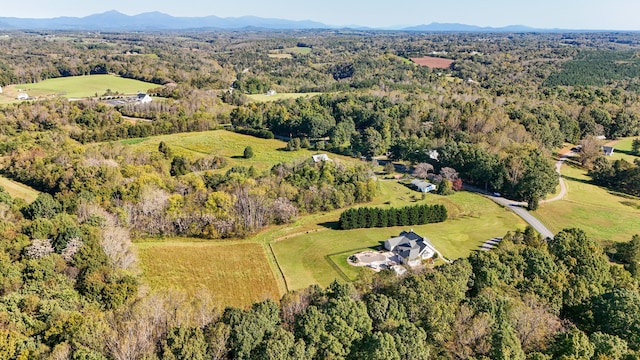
(421, 184)
(409, 245)
(320, 157)
(608, 150)
(142, 95)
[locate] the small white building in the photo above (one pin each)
(607, 150)
(271, 92)
(23, 96)
(320, 157)
(423, 186)
(0, 89)
(143, 98)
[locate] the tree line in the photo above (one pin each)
(367, 217)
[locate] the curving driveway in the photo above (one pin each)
(519, 207)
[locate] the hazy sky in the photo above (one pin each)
(567, 14)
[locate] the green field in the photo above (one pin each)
(276, 97)
(77, 87)
(599, 212)
(235, 273)
(228, 144)
(317, 253)
(622, 149)
(18, 190)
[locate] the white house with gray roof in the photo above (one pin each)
(423, 186)
(410, 246)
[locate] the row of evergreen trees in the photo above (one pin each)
(367, 217)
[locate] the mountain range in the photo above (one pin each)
(114, 20)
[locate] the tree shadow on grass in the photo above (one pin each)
(626, 152)
(576, 179)
(333, 225)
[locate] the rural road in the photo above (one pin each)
(519, 207)
(563, 185)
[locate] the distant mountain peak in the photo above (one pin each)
(155, 20)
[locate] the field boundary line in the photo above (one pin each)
(275, 259)
(336, 267)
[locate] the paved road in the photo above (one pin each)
(517, 207)
(520, 207)
(563, 186)
(520, 210)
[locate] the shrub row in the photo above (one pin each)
(259, 133)
(367, 217)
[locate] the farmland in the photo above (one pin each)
(433, 62)
(77, 87)
(236, 273)
(288, 53)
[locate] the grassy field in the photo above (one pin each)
(18, 190)
(235, 273)
(276, 97)
(288, 52)
(602, 214)
(228, 144)
(623, 149)
(77, 87)
(316, 253)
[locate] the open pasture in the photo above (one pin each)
(235, 274)
(230, 145)
(77, 87)
(601, 213)
(433, 62)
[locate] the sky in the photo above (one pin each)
(565, 14)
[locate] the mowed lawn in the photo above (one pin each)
(79, 86)
(18, 190)
(599, 212)
(236, 274)
(622, 149)
(318, 253)
(228, 144)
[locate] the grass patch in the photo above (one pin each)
(229, 145)
(622, 150)
(78, 87)
(279, 96)
(599, 212)
(237, 274)
(308, 254)
(303, 50)
(280, 56)
(349, 272)
(133, 141)
(18, 190)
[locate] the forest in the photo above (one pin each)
(70, 281)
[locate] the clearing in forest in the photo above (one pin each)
(237, 274)
(230, 145)
(433, 62)
(317, 253)
(280, 96)
(77, 87)
(19, 190)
